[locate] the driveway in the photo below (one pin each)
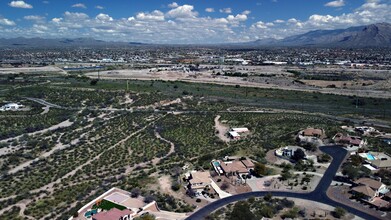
(222, 194)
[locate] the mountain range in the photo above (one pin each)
(61, 42)
(374, 35)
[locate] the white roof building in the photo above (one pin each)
(240, 130)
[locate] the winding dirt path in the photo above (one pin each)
(7, 150)
(172, 148)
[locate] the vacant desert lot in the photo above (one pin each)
(265, 77)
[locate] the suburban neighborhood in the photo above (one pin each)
(297, 169)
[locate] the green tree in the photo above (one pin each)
(267, 211)
(241, 211)
(286, 174)
(356, 160)
(260, 169)
(324, 158)
(298, 155)
(350, 171)
(339, 212)
(94, 82)
(268, 196)
(292, 213)
(146, 217)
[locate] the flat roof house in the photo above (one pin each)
(240, 130)
(378, 160)
(199, 180)
(234, 135)
(234, 167)
(382, 163)
(248, 164)
(10, 106)
(313, 132)
(287, 151)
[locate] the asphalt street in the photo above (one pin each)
(319, 194)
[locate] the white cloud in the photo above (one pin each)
(75, 15)
(79, 5)
(99, 7)
(246, 12)
(184, 25)
(184, 11)
(226, 10)
(34, 18)
(154, 16)
(260, 25)
(103, 17)
(7, 22)
(20, 4)
(238, 17)
(57, 20)
(293, 20)
(210, 10)
(173, 5)
(335, 4)
(40, 27)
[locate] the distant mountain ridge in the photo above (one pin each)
(60, 42)
(374, 35)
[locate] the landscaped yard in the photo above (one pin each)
(107, 205)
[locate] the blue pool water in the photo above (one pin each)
(216, 163)
(90, 213)
(370, 157)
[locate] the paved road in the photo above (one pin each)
(318, 195)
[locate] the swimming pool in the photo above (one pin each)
(370, 156)
(90, 213)
(216, 163)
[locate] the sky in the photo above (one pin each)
(184, 21)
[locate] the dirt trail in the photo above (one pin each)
(156, 160)
(7, 150)
(221, 129)
(172, 148)
(57, 147)
(50, 186)
(128, 100)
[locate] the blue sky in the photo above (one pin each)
(184, 21)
